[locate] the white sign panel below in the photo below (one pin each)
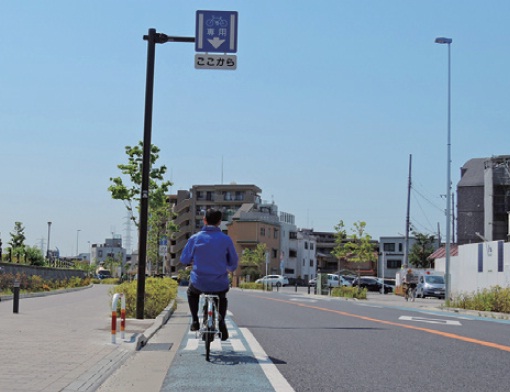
(213, 61)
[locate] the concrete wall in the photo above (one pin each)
(45, 272)
(478, 266)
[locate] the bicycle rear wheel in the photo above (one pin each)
(208, 339)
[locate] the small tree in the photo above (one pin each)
(358, 248)
(17, 242)
(252, 261)
(129, 193)
(34, 256)
(421, 250)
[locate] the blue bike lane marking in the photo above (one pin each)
(233, 365)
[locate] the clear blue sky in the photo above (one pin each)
(328, 101)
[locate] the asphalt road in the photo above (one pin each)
(319, 343)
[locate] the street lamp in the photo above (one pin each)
(48, 248)
(77, 235)
(448, 41)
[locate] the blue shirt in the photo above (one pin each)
(213, 255)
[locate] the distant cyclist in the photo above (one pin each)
(213, 256)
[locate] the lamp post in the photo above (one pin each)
(448, 41)
(77, 236)
(48, 248)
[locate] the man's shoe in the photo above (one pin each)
(223, 330)
(195, 326)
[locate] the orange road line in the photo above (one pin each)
(413, 327)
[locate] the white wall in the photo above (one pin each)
(464, 268)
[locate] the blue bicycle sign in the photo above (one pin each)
(216, 31)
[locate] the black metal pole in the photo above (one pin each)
(146, 166)
(15, 298)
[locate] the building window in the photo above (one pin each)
(292, 253)
(100, 253)
(400, 247)
(393, 264)
(262, 231)
(275, 253)
(306, 245)
(311, 245)
(311, 262)
(389, 247)
(275, 234)
(292, 235)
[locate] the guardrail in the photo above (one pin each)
(115, 300)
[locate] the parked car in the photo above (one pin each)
(389, 284)
(371, 283)
(274, 280)
(104, 274)
(348, 278)
(430, 286)
(332, 280)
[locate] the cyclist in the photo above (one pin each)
(213, 256)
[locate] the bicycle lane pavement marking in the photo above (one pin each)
(236, 364)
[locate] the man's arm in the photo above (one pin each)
(232, 258)
(187, 252)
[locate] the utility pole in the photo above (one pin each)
(408, 219)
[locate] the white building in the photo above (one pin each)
(474, 267)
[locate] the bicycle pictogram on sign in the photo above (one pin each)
(216, 32)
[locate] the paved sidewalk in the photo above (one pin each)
(63, 342)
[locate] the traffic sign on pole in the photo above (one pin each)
(216, 32)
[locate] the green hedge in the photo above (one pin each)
(349, 292)
(35, 283)
(158, 294)
(254, 286)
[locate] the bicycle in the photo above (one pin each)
(411, 294)
(210, 321)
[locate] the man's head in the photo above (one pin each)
(213, 217)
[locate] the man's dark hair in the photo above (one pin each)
(213, 217)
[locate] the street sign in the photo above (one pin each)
(214, 61)
(216, 32)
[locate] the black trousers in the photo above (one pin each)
(194, 299)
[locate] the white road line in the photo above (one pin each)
(237, 345)
(431, 321)
(276, 379)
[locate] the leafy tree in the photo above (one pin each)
(252, 260)
(160, 226)
(34, 256)
(421, 250)
(129, 193)
(358, 248)
(17, 242)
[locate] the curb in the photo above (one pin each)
(142, 339)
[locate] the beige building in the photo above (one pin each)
(256, 224)
(190, 206)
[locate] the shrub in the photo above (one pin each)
(494, 299)
(254, 286)
(349, 292)
(158, 294)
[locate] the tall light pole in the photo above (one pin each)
(48, 248)
(448, 41)
(77, 236)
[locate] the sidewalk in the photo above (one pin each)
(63, 342)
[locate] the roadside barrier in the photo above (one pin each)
(115, 300)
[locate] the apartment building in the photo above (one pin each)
(483, 204)
(190, 206)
